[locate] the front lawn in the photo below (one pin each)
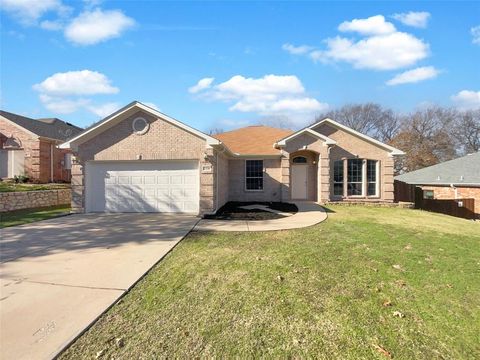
(11, 187)
(25, 216)
(367, 283)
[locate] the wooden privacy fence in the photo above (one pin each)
(403, 191)
(464, 208)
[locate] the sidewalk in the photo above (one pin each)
(309, 213)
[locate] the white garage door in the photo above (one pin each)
(142, 186)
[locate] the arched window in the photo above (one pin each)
(300, 160)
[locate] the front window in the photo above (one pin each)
(254, 174)
(355, 178)
(338, 177)
(371, 177)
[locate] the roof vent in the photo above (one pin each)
(438, 178)
(461, 178)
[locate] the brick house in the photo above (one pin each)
(454, 179)
(29, 147)
(140, 160)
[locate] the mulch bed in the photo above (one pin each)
(232, 211)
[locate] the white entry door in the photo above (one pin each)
(299, 182)
(142, 186)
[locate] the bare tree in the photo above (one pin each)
(370, 119)
(215, 131)
(426, 137)
(466, 131)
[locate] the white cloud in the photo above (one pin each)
(475, 31)
(380, 46)
(379, 52)
(467, 99)
(297, 50)
(66, 93)
(92, 27)
(416, 19)
(52, 25)
(28, 12)
(61, 105)
(103, 110)
(270, 95)
(414, 75)
(374, 25)
(84, 82)
(202, 84)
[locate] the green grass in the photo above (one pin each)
(11, 187)
(19, 217)
(309, 293)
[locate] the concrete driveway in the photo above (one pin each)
(57, 276)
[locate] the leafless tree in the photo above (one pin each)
(370, 118)
(215, 131)
(427, 138)
(466, 131)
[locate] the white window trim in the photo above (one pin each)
(377, 180)
(245, 176)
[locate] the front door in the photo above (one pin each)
(299, 182)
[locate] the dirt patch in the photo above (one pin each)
(233, 211)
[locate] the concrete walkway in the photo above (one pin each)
(309, 213)
(57, 276)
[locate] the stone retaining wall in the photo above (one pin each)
(404, 205)
(10, 201)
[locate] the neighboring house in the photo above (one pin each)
(29, 147)
(140, 160)
(454, 179)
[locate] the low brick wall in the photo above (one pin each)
(10, 201)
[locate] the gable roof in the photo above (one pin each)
(391, 149)
(461, 171)
(103, 125)
(309, 131)
(51, 128)
(253, 140)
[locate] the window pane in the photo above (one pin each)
(338, 171)
(354, 188)
(372, 189)
(300, 160)
(254, 183)
(354, 170)
(371, 170)
(338, 189)
(428, 194)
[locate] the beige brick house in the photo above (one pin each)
(29, 147)
(140, 160)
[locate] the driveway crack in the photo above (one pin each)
(68, 285)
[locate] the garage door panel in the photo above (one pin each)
(142, 186)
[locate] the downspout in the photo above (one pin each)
(216, 181)
(51, 162)
(455, 190)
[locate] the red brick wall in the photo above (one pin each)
(446, 192)
(37, 154)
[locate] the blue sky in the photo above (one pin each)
(275, 62)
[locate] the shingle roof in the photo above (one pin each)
(464, 170)
(52, 128)
(253, 140)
